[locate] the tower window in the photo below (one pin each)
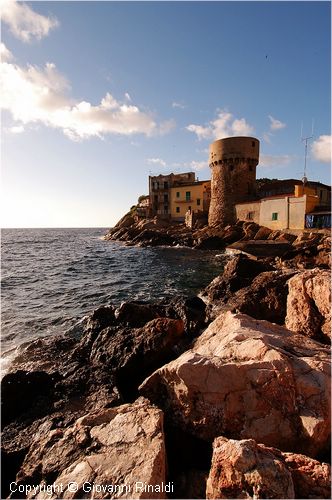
(231, 167)
(253, 144)
(250, 168)
(177, 210)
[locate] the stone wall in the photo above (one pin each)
(233, 164)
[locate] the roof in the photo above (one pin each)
(327, 212)
(186, 184)
(283, 183)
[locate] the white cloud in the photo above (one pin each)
(18, 129)
(156, 161)
(198, 165)
(166, 126)
(38, 95)
(274, 160)
(24, 23)
(321, 148)
(276, 124)
(178, 105)
(5, 54)
(127, 96)
(223, 126)
(200, 131)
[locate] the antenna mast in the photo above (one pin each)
(305, 140)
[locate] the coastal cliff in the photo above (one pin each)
(221, 395)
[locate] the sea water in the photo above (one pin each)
(51, 278)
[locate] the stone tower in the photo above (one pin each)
(233, 164)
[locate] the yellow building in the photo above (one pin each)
(286, 211)
(194, 197)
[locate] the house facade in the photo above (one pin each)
(191, 197)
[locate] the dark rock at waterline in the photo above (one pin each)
(265, 298)
(26, 393)
(238, 273)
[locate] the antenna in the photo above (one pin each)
(305, 140)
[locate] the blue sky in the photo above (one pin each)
(97, 95)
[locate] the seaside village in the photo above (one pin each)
(233, 193)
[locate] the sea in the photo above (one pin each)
(52, 278)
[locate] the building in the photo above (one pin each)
(287, 186)
(290, 210)
(192, 197)
(233, 162)
(159, 191)
(232, 194)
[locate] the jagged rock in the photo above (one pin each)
(131, 353)
(116, 446)
(265, 298)
(263, 233)
(312, 479)
(210, 243)
(309, 304)
(275, 234)
(250, 230)
(286, 237)
(238, 273)
(245, 378)
(245, 469)
(137, 313)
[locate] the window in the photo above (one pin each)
(156, 198)
(166, 198)
(165, 185)
(187, 195)
(250, 215)
(198, 201)
(253, 144)
(165, 209)
(231, 168)
(274, 215)
(177, 210)
(178, 194)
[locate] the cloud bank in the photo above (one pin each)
(24, 23)
(225, 125)
(321, 148)
(39, 95)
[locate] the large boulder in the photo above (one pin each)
(265, 298)
(245, 378)
(309, 304)
(245, 469)
(238, 273)
(119, 448)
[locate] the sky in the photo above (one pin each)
(97, 96)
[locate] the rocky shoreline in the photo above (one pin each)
(221, 395)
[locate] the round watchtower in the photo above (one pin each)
(233, 164)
